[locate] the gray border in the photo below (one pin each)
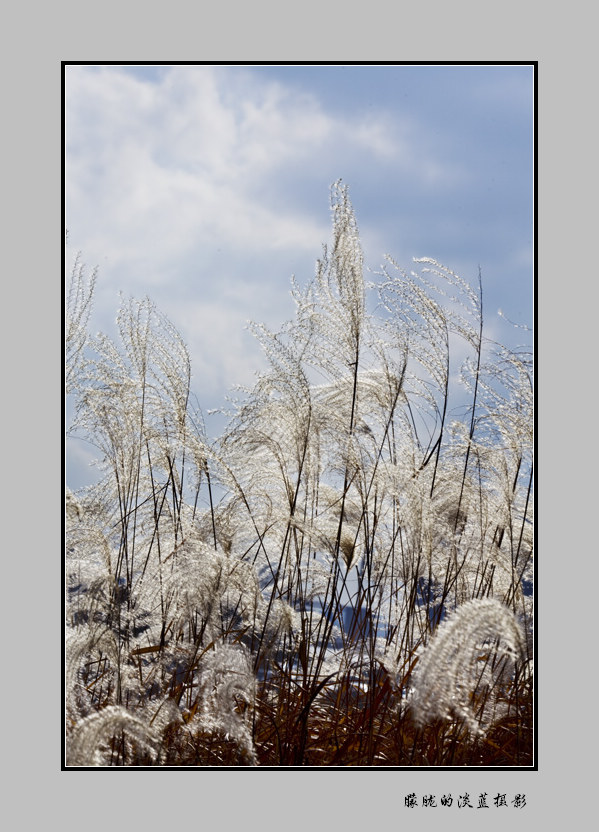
(38, 40)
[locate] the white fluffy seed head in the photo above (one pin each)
(470, 651)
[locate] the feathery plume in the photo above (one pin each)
(469, 654)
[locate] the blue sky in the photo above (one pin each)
(207, 186)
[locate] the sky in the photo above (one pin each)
(206, 187)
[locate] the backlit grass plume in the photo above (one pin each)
(461, 671)
(90, 743)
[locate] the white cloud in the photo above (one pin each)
(191, 187)
(154, 167)
(155, 170)
(207, 188)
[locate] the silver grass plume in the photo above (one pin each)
(338, 293)
(471, 651)
(77, 312)
(88, 744)
(228, 687)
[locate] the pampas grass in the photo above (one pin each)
(345, 577)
